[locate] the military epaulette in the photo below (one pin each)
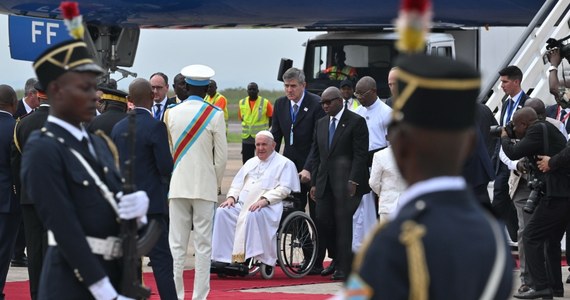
(23, 116)
(112, 147)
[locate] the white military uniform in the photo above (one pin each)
(241, 234)
(193, 191)
(377, 117)
(386, 181)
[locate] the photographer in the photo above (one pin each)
(561, 110)
(547, 224)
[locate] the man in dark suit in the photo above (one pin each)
(30, 101)
(26, 106)
(293, 122)
(10, 214)
(75, 194)
(421, 252)
(511, 78)
(153, 167)
(114, 110)
(36, 241)
(339, 157)
(159, 83)
(546, 226)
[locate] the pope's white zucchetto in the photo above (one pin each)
(265, 133)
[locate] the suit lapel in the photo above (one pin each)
(303, 110)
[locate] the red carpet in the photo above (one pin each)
(220, 288)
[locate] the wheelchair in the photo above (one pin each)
(296, 246)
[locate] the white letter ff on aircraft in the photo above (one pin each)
(49, 32)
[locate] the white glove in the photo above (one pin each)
(133, 205)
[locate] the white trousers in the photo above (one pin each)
(261, 233)
(363, 220)
(183, 213)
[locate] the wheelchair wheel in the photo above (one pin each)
(297, 245)
(266, 271)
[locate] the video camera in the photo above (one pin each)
(496, 130)
(558, 44)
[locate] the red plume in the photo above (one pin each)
(69, 9)
(420, 6)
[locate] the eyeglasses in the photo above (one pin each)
(357, 95)
(328, 102)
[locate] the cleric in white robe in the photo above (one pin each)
(246, 223)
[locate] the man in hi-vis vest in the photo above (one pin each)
(255, 113)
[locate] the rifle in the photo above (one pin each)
(133, 246)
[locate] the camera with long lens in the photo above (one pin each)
(536, 192)
(558, 44)
(496, 130)
(535, 184)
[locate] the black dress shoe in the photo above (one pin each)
(19, 262)
(330, 269)
(316, 270)
(338, 275)
(534, 294)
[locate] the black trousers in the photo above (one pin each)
(503, 207)
(541, 238)
(9, 223)
(161, 259)
(247, 152)
(334, 227)
(36, 236)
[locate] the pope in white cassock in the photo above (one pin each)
(246, 223)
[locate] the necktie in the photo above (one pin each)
(562, 114)
(295, 109)
(331, 131)
(157, 111)
(86, 146)
(345, 104)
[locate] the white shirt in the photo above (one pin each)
(515, 98)
(350, 104)
(162, 107)
(78, 133)
(298, 102)
(377, 117)
(443, 183)
(26, 106)
(386, 180)
(337, 118)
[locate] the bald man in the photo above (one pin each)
(552, 212)
(153, 166)
(339, 178)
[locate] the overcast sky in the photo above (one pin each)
(238, 56)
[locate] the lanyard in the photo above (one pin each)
(511, 109)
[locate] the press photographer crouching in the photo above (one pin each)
(552, 212)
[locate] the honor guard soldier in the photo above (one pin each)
(114, 109)
(72, 178)
(426, 251)
(197, 136)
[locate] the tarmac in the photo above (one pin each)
(232, 167)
